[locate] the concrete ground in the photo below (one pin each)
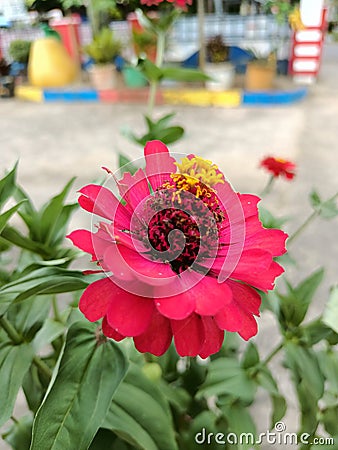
(57, 141)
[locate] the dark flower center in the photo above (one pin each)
(184, 220)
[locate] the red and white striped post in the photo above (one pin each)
(307, 44)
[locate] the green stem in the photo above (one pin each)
(13, 335)
(307, 222)
(268, 186)
(303, 226)
(17, 339)
(161, 36)
(273, 354)
(42, 366)
(56, 309)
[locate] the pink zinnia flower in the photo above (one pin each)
(183, 254)
(279, 167)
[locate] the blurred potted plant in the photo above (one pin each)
(19, 52)
(103, 49)
(220, 70)
(145, 44)
(261, 72)
(6, 81)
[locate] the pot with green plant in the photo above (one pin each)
(144, 43)
(261, 72)
(19, 52)
(219, 69)
(103, 49)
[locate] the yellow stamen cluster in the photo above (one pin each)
(200, 169)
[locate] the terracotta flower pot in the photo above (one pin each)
(103, 76)
(259, 77)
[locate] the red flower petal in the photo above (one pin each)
(176, 307)
(230, 318)
(210, 296)
(157, 337)
(189, 335)
(134, 188)
(96, 298)
(270, 240)
(116, 264)
(83, 240)
(213, 337)
(110, 332)
(249, 327)
(129, 314)
(151, 272)
(246, 297)
(101, 201)
(159, 164)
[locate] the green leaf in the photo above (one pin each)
(265, 379)
(19, 435)
(328, 362)
(4, 217)
(309, 383)
(27, 211)
(14, 363)
(14, 237)
(176, 396)
(50, 330)
(327, 209)
(305, 367)
(329, 419)
(186, 75)
(140, 415)
(29, 316)
(294, 305)
(7, 185)
(77, 403)
(47, 280)
(330, 315)
(227, 377)
(107, 440)
(52, 216)
(241, 424)
(152, 72)
(250, 357)
(315, 199)
(316, 331)
(34, 388)
(269, 220)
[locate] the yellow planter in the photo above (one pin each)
(50, 65)
(259, 77)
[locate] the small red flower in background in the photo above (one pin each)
(183, 254)
(278, 166)
(182, 4)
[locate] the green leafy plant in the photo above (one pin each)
(157, 130)
(217, 50)
(19, 50)
(144, 41)
(104, 47)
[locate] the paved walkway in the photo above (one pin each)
(57, 141)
